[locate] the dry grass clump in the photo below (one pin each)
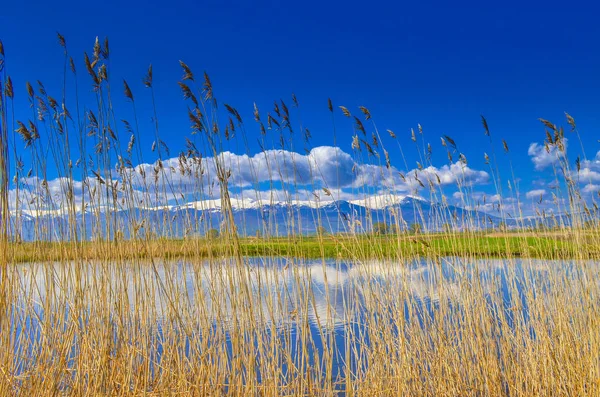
(379, 327)
(108, 305)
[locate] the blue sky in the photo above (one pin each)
(440, 65)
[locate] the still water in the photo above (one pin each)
(320, 315)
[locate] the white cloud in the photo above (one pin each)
(328, 165)
(535, 194)
(180, 180)
(544, 156)
(589, 172)
(458, 195)
(591, 188)
(323, 166)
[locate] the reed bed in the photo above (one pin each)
(118, 298)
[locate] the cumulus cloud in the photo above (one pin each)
(590, 170)
(184, 179)
(323, 166)
(535, 194)
(591, 188)
(458, 196)
(544, 156)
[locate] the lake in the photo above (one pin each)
(287, 322)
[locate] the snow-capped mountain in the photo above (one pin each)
(256, 216)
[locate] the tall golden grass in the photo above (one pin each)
(124, 315)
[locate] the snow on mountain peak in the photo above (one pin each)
(372, 202)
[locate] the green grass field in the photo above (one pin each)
(402, 246)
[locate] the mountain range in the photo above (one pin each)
(252, 217)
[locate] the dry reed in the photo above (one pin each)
(109, 305)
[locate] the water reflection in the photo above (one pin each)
(277, 287)
(338, 300)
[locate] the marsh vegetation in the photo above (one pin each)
(129, 275)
